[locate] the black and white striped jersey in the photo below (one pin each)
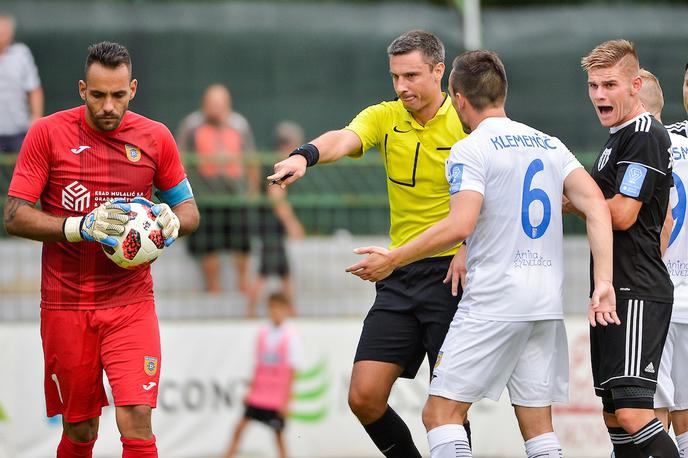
(680, 128)
(636, 162)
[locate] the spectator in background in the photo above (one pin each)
(21, 95)
(225, 148)
(278, 355)
(277, 220)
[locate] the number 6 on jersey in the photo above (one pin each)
(531, 195)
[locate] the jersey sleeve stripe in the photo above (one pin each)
(680, 128)
(643, 124)
(643, 165)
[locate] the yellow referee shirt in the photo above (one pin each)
(414, 156)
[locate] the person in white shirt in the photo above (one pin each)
(507, 181)
(672, 391)
(21, 94)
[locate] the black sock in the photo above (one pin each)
(623, 444)
(391, 436)
(654, 441)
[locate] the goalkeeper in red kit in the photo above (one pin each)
(84, 165)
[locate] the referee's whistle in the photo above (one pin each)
(280, 180)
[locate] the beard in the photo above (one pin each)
(105, 123)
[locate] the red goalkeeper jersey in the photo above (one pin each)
(72, 168)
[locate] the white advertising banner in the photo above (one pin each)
(206, 367)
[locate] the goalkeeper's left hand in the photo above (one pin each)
(165, 217)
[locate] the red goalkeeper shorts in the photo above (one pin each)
(79, 344)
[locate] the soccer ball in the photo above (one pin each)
(142, 241)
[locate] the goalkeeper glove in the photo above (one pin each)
(165, 217)
(104, 221)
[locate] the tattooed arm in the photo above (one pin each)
(23, 219)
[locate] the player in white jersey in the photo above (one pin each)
(506, 183)
(672, 389)
(681, 127)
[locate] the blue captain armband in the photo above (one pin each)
(177, 194)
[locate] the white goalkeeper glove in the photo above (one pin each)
(104, 221)
(165, 217)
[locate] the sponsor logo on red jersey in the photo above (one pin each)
(76, 197)
(80, 149)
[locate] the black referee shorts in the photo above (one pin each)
(410, 316)
(628, 355)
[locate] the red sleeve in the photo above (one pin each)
(170, 171)
(33, 165)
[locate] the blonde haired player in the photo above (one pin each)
(633, 171)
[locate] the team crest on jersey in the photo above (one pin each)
(604, 158)
(133, 152)
(150, 365)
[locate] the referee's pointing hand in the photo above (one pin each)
(288, 171)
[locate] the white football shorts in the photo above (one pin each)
(672, 389)
(479, 358)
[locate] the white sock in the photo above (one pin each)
(544, 446)
(449, 441)
(682, 440)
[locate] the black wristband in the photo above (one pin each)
(309, 151)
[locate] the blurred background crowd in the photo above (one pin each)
(241, 83)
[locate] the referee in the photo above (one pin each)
(634, 172)
(413, 306)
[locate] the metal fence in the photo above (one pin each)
(342, 206)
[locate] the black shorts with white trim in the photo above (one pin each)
(628, 355)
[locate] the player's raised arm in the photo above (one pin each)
(329, 147)
(586, 196)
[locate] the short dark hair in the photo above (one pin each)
(418, 40)
(279, 298)
(108, 54)
(480, 77)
